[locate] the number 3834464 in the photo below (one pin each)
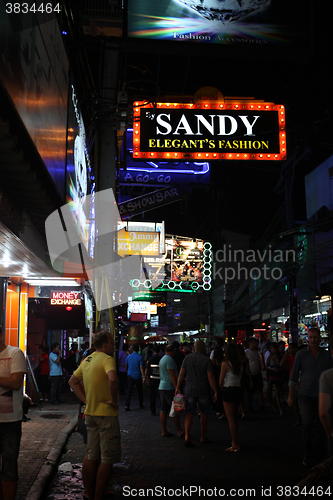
(26, 8)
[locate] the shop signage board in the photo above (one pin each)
(66, 299)
(138, 243)
(149, 296)
(151, 201)
(139, 226)
(209, 131)
(185, 266)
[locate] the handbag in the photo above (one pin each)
(179, 403)
(172, 410)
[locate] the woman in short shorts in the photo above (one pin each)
(230, 383)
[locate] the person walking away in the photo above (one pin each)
(326, 406)
(288, 361)
(198, 369)
(246, 379)
(268, 353)
(135, 374)
(12, 370)
(100, 395)
(255, 369)
(217, 363)
(166, 388)
(230, 383)
(275, 376)
(152, 373)
(55, 373)
(309, 364)
(122, 370)
(178, 356)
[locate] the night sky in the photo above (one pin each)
(245, 197)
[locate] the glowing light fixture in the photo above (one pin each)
(52, 282)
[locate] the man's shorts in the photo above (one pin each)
(166, 400)
(191, 405)
(10, 438)
(103, 442)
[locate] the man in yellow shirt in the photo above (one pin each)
(100, 394)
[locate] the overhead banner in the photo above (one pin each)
(209, 131)
(245, 24)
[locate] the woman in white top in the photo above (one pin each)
(230, 383)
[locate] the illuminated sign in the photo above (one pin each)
(137, 242)
(209, 131)
(145, 226)
(150, 296)
(136, 307)
(80, 177)
(159, 173)
(185, 267)
(65, 299)
(249, 25)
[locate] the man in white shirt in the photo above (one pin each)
(55, 372)
(12, 370)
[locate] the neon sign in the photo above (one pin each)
(209, 131)
(65, 299)
(160, 173)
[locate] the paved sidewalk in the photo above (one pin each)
(43, 439)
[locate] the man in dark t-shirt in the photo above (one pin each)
(198, 369)
(178, 356)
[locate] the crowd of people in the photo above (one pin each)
(194, 380)
(217, 377)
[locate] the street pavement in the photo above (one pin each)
(43, 438)
(270, 457)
